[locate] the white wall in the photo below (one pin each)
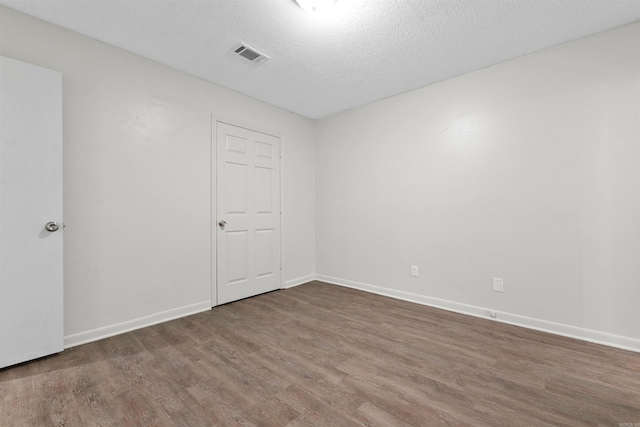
(137, 179)
(528, 170)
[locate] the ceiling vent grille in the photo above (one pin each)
(249, 53)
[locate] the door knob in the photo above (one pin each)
(222, 223)
(51, 226)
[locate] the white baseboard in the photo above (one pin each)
(299, 281)
(132, 325)
(604, 338)
(598, 337)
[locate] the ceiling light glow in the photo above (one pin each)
(315, 6)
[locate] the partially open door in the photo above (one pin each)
(31, 292)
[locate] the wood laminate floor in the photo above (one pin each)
(323, 355)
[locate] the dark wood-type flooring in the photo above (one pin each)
(323, 355)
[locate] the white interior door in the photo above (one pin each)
(248, 213)
(31, 293)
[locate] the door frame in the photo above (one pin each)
(214, 200)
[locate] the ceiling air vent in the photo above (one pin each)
(250, 53)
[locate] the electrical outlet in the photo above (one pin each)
(498, 284)
(414, 270)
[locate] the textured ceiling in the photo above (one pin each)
(362, 51)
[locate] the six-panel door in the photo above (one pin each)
(248, 213)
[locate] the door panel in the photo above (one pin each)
(264, 252)
(248, 200)
(236, 179)
(237, 256)
(31, 289)
(264, 190)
